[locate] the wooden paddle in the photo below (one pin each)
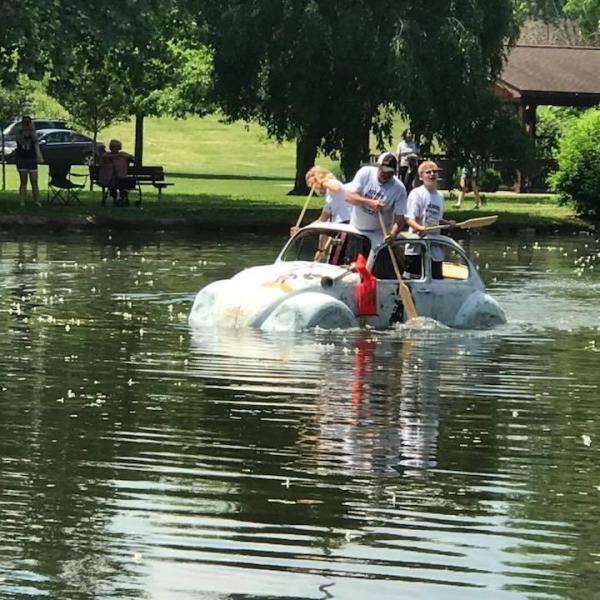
(407, 301)
(312, 191)
(468, 224)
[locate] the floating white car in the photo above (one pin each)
(307, 287)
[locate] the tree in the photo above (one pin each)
(552, 122)
(121, 54)
(21, 35)
(586, 13)
(12, 102)
(94, 95)
(327, 74)
(577, 179)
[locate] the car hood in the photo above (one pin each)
(251, 295)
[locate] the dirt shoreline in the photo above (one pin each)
(16, 223)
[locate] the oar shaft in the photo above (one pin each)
(407, 301)
(302, 213)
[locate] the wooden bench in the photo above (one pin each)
(138, 176)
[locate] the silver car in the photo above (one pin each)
(314, 283)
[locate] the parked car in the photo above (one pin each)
(10, 130)
(61, 145)
(304, 288)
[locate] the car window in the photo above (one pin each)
(54, 138)
(383, 267)
(334, 247)
(77, 137)
(454, 266)
(42, 125)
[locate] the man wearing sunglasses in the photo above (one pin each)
(425, 209)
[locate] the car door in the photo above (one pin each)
(80, 148)
(388, 301)
(52, 145)
(447, 295)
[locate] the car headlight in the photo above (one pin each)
(8, 150)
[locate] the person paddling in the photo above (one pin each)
(425, 209)
(376, 189)
(335, 207)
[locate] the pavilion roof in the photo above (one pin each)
(564, 75)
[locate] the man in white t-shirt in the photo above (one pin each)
(425, 209)
(407, 154)
(377, 189)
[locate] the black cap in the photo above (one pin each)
(388, 163)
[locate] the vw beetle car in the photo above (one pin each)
(314, 283)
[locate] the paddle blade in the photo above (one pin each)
(477, 222)
(410, 311)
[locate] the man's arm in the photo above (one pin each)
(412, 223)
(356, 199)
(398, 225)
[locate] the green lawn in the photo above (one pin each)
(234, 176)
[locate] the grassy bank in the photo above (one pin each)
(230, 177)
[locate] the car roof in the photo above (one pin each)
(346, 227)
(55, 130)
(407, 235)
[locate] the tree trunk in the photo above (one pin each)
(139, 139)
(3, 162)
(306, 154)
(94, 152)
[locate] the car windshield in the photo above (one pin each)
(323, 245)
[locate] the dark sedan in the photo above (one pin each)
(62, 145)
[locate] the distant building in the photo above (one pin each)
(549, 75)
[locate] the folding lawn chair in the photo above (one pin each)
(61, 188)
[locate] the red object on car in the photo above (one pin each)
(366, 289)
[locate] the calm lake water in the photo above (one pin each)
(142, 460)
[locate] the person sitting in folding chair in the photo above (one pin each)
(112, 174)
(61, 188)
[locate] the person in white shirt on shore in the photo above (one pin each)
(408, 155)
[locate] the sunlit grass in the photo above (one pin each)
(233, 174)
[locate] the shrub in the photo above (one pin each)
(577, 180)
(552, 122)
(489, 180)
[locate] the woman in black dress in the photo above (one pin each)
(27, 157)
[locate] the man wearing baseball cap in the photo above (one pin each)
(377, 189)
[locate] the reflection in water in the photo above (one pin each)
(142, 460)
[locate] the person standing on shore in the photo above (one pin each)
(408, 156)
(27, 158)
(468, 179)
